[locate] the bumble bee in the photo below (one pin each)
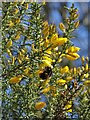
(45, 73)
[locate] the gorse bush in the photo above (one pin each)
(34, 84)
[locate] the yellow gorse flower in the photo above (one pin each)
(9, 43)
(69, 78)
(64, 70)
(48, 51)
(26, 6)
(68, 106)
(20, 55)
(55, 41)
(86, 75)
(87, 59)
(75, 16)
(45, 90)
(72, 49)
(87, 82)
(71, 53)
(17, 21)
(75, 70)
(83, 59)
(45, 82)
(45, 29)
(76, 25)
(71, 56)
(59, 42)
(53, 90)
(13, 60)
(86, 67)
(54, 37)
(46, 63)
(27, 71)
(61, 82)
(17, 37)
(61, 26)
(47, 58)
(16, 11)
(40, 105)
(11, 24)
(9, 52)
(46, 42)
(15, 79)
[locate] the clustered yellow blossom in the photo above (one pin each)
(71, 53)
(51, 48)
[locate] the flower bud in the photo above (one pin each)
(26, 6)
(13, 60)
(75, 10)
(16, 11)
(86, 67)
(87, 59)
(76, 24)
(9, 52)
(61, 26)
(83, 59)
(9, 43)
(68, 20)
(75, 70)
(75, 16)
